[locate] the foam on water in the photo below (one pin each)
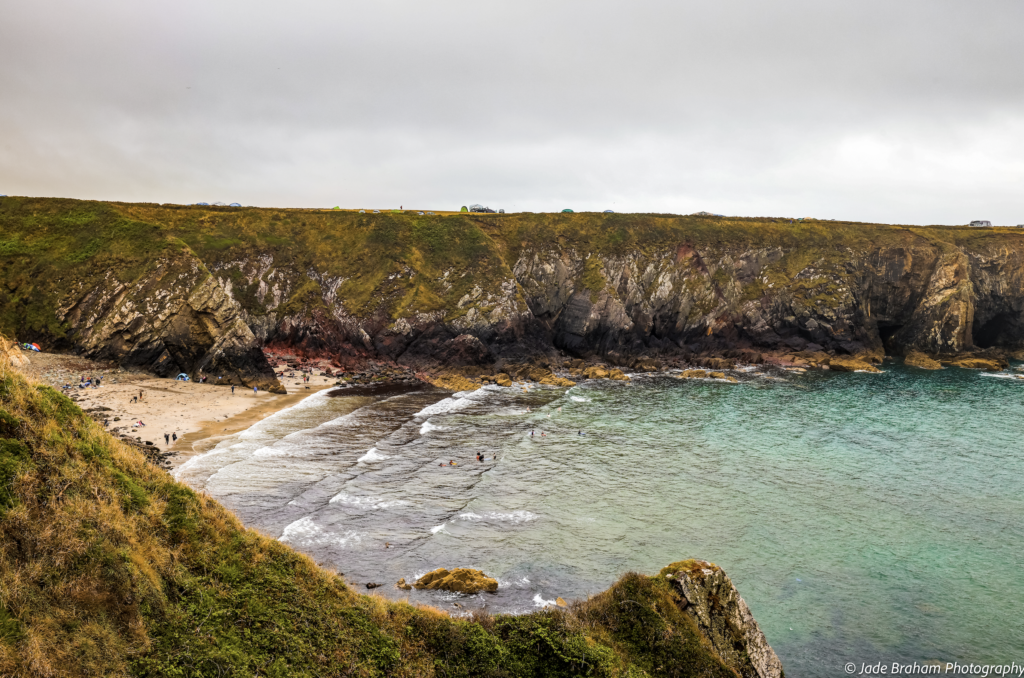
(372, 455)
(304, 532)
(366, 502)
(540, 602)
(427, 427)
(579, 399)
(515, 517)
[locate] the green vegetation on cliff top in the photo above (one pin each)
(391, 263)
(108, 567)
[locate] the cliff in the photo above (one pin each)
(189, 288)
(110, 568)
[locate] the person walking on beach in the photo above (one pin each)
(140, 395)
(167, 439)
(174, 436)
(254, 389)
(232, 389)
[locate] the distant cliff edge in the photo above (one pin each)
(189, 288)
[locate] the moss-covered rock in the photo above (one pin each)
(459, 580)
(850, 364)
(977, 363)
(918, 359)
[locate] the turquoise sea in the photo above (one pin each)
(863, 517)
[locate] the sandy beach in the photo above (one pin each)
(199, 414)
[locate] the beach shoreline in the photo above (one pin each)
(198, 414)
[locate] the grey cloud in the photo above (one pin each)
(909, 112)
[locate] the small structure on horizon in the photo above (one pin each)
(981, 224)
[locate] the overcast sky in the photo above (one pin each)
(898, 111)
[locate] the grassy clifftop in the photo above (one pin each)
(109, 567)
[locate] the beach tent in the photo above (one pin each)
(235, 204)
(204, 204)
(567, 210)
(31, 347)
(336, 208)
(464, 209)
(181, 377)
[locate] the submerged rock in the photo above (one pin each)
(918, 359)
(849, 364)
(988, 364)
(459, 580)
(721, 614)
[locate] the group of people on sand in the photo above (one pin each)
(84, 382)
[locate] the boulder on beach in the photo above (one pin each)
(503, 380)
(402, 585)
(918, 359)
(693, 374)
(459, 580)
(850, 364)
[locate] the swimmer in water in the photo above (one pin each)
(451, 462)
(531, 434)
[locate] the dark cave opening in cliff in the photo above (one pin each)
(886, 332)
(1002, 329)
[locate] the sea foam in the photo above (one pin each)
(372, 455)
(305, 532)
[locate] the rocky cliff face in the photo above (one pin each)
(204, 288)
(175, 317)
(710, 599)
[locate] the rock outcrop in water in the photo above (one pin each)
(459, 580)
(189, 288)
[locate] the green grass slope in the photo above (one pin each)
(110, 568)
